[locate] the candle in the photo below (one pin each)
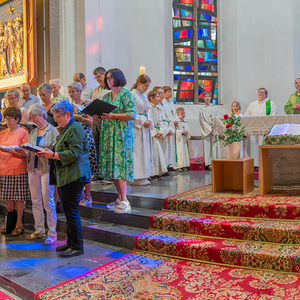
(142, 70)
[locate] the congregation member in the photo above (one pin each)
(263, 106)
(70, 171)
(182, 136)
(211, 149)
(45, 91)
(236, 109)
(101, 89)
(41, 191)
(56, 94)
(171, 112)
(14, 188)
(27, 98)
(86, 121)
(143, 155)
(13, 101)
(293, 104)
(99, 92)
(168, 130)
(87, 91)
(116, 147)
(158, 161)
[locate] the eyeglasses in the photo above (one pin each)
(56, 117)
(98, 76)
(9, 119)
(109, 78)
(72, 92)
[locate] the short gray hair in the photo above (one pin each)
(99, 70)
(38, 109)
(76, 85)
(13, 92)
(62, 107)
(45, 86)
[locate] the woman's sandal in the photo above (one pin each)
(17, 231)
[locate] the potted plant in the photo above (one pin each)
(232, 135)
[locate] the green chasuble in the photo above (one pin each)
(294, 99)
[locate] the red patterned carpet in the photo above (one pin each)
(233, 246)
(4, 296)
(147, 276)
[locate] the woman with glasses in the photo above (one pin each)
(43, 136)
(86, 121)
(116, 140)
(71, 172)
(13, 101)
(14, 187)
(45, 91)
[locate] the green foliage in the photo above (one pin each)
(234, 132)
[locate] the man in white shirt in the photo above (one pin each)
(263, 106)
(87, 91)
(27, 98)
(101, 90)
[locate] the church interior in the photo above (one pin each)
(212, 223)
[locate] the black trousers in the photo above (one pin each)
(70, 195)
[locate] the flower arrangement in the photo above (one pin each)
(233, 131)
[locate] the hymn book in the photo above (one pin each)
(285, 129)
(25, 146)
(98, 107)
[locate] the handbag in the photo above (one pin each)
(10, 221)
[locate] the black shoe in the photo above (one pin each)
(167, 174)
(62, 248)
(95, 178)
(71, 252)
(172, 170)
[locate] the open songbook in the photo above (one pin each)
(25, 146)
(285, 129)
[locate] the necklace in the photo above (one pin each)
(43, 127)
(11, 132)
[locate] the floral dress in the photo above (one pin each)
(92, 148)
(116, 139)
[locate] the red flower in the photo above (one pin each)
(226, 117)
(228, 125)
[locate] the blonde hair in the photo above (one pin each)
(179, 109)
(238, 105)
(156, 88)
(151, 95)
(142, 79)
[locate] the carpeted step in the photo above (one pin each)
(281, 203)
(257, 255)
(274, 231)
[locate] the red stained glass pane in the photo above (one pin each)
(207, 88)
(186, 1)
(183, 34)
(209, 7)
(184, 95)
(184, 85)
(200, 59)
(207, 82)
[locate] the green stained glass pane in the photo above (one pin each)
(201, 44)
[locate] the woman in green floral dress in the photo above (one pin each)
(116, 138)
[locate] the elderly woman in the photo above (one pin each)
(116, 146)
(43, 136)
(45, 91)
(72, 173)
(86, 121)
(14, 187)
(13, 101)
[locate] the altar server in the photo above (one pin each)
(142, 126)
(182, 136)
(208, 111)
(171, 111)
(263, 106)
(167, 129)
(159, 163)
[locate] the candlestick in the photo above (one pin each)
(142, 70)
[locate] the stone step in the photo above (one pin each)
(273, 231)
(231, 252)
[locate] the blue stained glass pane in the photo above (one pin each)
(205, 68)
(176, 11)
(215, 101)
(177, 67)
(183, 12)
(187, 68)
(216, 91)
(207, 55)
(207, 17)
(210, 44)
(176, 34)
(189, 79)
(203, 32)
(189, 32)
(176, 77)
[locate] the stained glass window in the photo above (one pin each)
(184, 52)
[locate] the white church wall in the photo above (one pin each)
(258, 47)
(128, 34)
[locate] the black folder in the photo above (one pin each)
(98, 107)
